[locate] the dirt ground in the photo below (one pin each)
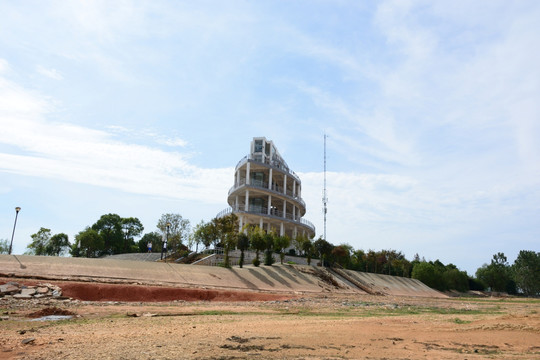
(234, 325)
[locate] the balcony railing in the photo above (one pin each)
(281, 165)
(263, 210)
(264, 185)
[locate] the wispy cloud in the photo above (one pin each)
(50, 73)
(53, 149)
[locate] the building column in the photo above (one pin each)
(236, 203)
(294, 188)
(295, 232)
(285, 184)
(284, 208)
(248, 169)
(294, 212)
(246, 206)
(281, 230)
(269, 205)
(240, 223)
(261, 223)
(270, 180)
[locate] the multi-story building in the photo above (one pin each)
(267, 193)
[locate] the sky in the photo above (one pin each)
(141, 108)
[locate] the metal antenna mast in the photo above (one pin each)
(325, 198)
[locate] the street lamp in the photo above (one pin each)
(164, 247)
(17, 209)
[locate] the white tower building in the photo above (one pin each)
(267, 193)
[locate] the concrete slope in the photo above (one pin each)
(392, 285)
(276, 278)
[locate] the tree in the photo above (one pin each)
(269, 241)
(428, 274)
(257, 241)
(496, 275)
(152, 237)
(4, 246)
(205, 233)
(342, 255)
(455, 279)
(109, 228)
(178, 231)
(40, 241)
(307, 248)
(88, 243)
(280, 244)
(58, 245)
(131, 227)
(299, 242)
(242, 245)
(226, 229)
(526, 270)
(324, 249)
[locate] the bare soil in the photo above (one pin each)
(173, 323)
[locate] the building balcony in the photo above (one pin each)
(275, 164)
(274, 190)
(273, 214)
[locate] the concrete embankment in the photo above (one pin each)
(292, 279)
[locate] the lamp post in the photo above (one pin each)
(17, 209)
(164, 247)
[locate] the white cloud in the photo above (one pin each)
(50, 73)
(75, 153)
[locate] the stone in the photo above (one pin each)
(42, 290)
(28, 291)
(28, 341)
(22, 297)
(8, 289)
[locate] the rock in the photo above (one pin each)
(28, 292)
(42, 290)
(22, 297)
(28, 341)
(57, 293)
(8, 289)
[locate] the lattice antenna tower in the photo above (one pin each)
(325, 197)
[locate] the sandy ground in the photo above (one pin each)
(307, 326)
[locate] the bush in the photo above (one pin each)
(256, 262)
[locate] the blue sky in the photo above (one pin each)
(143, 108)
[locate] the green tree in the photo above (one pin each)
(58, 245)
(455, 279)
(307, 248)
(526, 270)
(88, 243)
(40, 241)
(243, 245)
(109, 228)
(299, 242)
(280, 244)
(268, 254)
(178, 232)
(342, 254)
(131, 227)
(428, 274)
(227, 231)
(4, 246)
(324, 249)
(257, 241)
(496, 275)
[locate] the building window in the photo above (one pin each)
(258, 146)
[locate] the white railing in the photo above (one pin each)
(264, 185)
(262, 210)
